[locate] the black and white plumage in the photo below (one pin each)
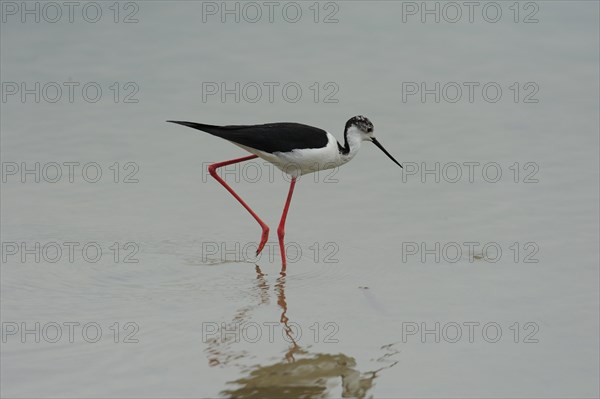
(295, 148)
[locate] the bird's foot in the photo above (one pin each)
(263, 240)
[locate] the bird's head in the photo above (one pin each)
(360, 128)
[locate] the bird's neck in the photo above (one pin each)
(352, 142)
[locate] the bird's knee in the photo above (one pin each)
(212, 169)
(280, 233)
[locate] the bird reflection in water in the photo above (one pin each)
(301, 374)
(280, 289)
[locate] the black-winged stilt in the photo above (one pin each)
(294, 148)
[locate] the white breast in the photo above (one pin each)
(300, 162)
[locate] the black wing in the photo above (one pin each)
(271, 137)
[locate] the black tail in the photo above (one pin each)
(212, 129)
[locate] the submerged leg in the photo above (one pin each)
(281, 228)
(212, 169)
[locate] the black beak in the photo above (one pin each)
(374, 140)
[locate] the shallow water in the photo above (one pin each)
(400, 283)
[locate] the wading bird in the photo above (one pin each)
(294, 148)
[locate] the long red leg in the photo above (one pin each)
(212, 169)
(281, 228)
